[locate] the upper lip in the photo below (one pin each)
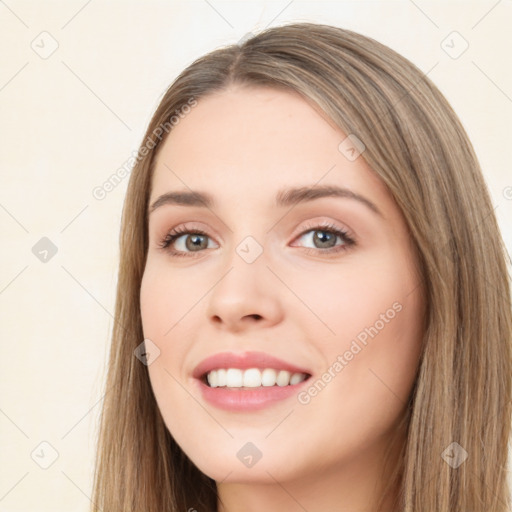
(244, 361)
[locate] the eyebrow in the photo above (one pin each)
(284, 198)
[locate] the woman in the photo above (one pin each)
(370, 370)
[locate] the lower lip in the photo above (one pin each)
(248, 399)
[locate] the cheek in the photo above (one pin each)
(160, 314)
(152, 299)
(164, 300)
(375, 314)
(369, 374)
(352, 298)
(380, 359)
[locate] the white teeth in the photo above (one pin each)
(213, 379)
(234, 378)
(283, 378)
(268, 377)
(221, 377)
(296, 378)
(252, 378)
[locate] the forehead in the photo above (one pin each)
(242, 142)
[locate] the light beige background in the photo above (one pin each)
(71, 118)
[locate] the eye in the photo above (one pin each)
(182, 241)
(324, 238)
(193, 240)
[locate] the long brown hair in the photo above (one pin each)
(418, 147)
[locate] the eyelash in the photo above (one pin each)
(178, 232)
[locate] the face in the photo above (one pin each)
(327, 284)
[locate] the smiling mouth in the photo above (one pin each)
(251, 378)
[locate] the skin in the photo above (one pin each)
(242, 145)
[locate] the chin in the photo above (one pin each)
(230, 467)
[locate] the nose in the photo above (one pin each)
(245, 297)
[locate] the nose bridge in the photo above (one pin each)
(250, 250)
(244, 290)
(249, 236)
(246, 266)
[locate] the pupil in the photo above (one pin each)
(196, 241)
(324, 238)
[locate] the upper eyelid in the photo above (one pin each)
(308, 223)
(305, 225)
